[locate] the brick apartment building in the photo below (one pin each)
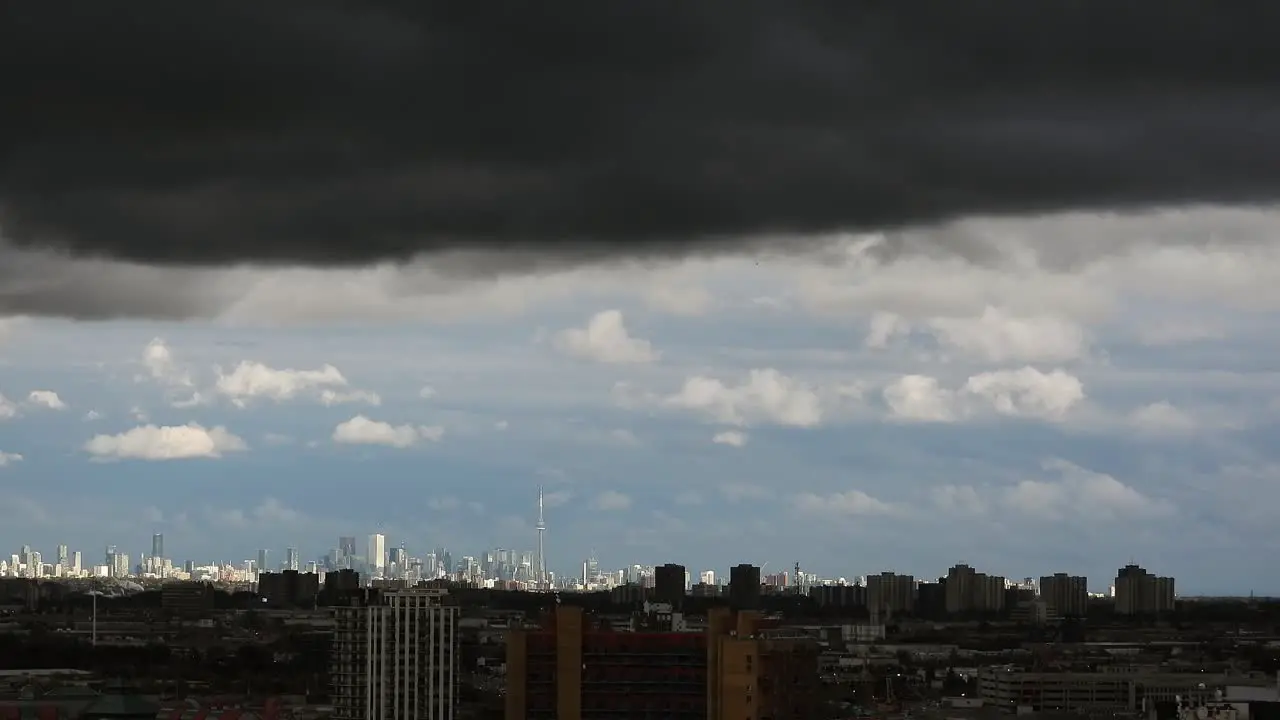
(738, 668)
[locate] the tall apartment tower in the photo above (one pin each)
(1138, 592)
(890, 594)
(1066, 594)
(969, 591)
(395, 657)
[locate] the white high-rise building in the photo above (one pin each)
(377, 557)
(396, 660)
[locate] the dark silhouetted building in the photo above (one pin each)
(1067, 594)
(1138, 592)
(187, 599)
(289, 588)
(668, 584)
(846, 597)
(744, 587)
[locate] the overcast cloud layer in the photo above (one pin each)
(334, 132)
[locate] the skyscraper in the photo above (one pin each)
(291, 559)
(346, 546)
(157, 545)
(263, 556)
(344, 556)
(377, 557)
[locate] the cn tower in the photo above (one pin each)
(540, 562)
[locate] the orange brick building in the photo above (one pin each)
(733, 671)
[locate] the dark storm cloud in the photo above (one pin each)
(330, 132)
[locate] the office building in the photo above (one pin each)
(1067, 595)
(264, 556)
(376, 557)
(1138, 592)
(157, 545)
(345, 553)
(395, 656)
(738, 669)
(291, 559)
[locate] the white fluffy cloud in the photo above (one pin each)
(361, 430)
(8, 409)
(336, 397)
(251, 380)
(1066, 492)
(611, 500)
(919, 398)
(605, 339)
(995, 335)
(1025, 392)
(884, 327)
(765, 396)
(1161, 418)
(1080, 493)
(151, 442)
(158, 359)
(998, 337)
(46, 399)
(850, 503)
(7, 458)
(732, 438)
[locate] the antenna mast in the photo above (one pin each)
(540, 562)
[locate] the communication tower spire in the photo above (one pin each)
(540, 562)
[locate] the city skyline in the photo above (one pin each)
(441, 562)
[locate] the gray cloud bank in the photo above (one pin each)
(331, 133)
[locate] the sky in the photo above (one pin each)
(816, 282)
(849, 414)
